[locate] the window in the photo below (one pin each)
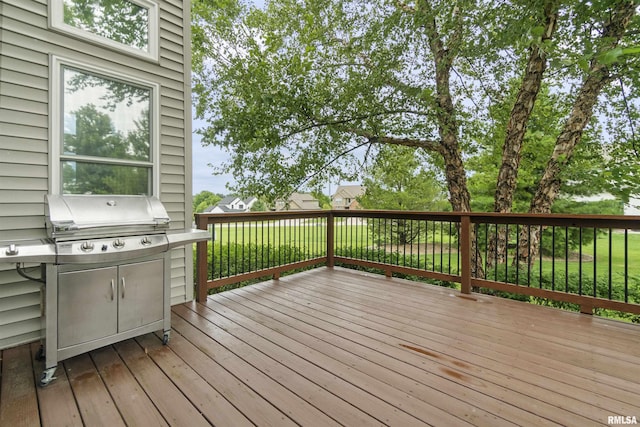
(104, 132)
(129, 25)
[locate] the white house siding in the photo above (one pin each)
(26, 44)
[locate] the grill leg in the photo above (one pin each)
(165, 337)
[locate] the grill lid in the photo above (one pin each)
(76, 216)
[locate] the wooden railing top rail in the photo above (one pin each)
(216, 218)
(600, 221)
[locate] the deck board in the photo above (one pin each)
(94, 400)
(132, 402)
(56, 401)
(448, 386)
(18, 402)
(170, 401)
(339, 347)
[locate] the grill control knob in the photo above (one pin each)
(12, 250)
(86, 246)
(118, 243)
(146, 241)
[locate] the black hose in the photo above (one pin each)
(23, 272)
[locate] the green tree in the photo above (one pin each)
(398, 180)
(259, 206)
(295, 89)
(204, 199)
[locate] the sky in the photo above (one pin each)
(203, 179)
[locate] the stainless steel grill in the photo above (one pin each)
(89, 229)
(107, 271)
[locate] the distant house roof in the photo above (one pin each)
(346, 195)
(350, 191)
(231, 204)
(298, 202)
(228, 200)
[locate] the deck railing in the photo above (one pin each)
(582, 261)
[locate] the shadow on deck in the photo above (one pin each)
(335, 346)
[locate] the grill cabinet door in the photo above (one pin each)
(140, 294)
(87, 305)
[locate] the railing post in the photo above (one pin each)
(465, 249)
(202, 288)
(330, 240)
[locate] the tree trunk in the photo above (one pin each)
(516, 128)
(448, 127)
(598, 77)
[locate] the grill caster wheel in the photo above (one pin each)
(40, 354)
(165, 338)
(47, 376)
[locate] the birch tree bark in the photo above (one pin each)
(516, 128)
(598, 77)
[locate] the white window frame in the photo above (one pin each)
(56, 64)
(56, 21)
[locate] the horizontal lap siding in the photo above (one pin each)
(24, 140)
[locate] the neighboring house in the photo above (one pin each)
(298, 202)
(62, 69)
(232, 204)
(346, 196)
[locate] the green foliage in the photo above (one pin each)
(259, 206)
(292, 90)
(204, 199)
(234, 258)
(398, 180)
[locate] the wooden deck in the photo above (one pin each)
(338, 347)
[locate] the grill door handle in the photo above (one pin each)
(124, 287)
(113, 289)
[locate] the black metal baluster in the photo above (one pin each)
(595, 260)
(566, 259)
(506, 253)
(540, 260)
(229, 249)
(214, 258)
(610, 263)
(433, 248)
(486, 249)
(529, 255)
(626, 265)
(441, 246)
(517, 254)
(495, 255)
(580, 261)
(553, 258)
(450, 233)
